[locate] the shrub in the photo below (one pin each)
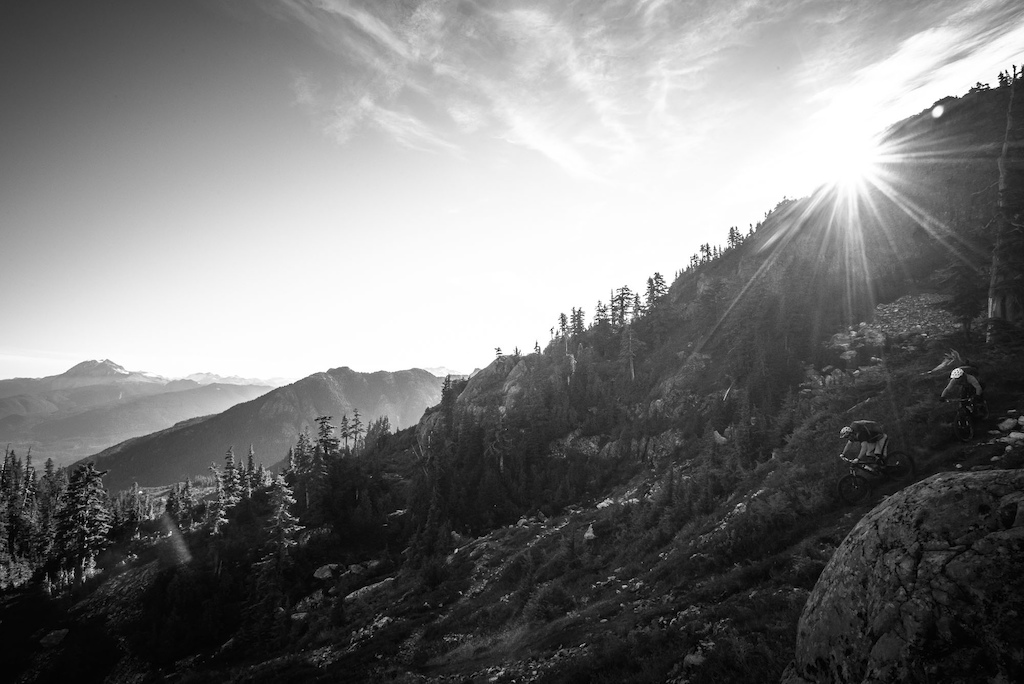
(551, 601)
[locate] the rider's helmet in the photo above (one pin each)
(845, 432)
(957, 373)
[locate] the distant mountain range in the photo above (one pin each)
(96, 404)
(271, 423)
(441, 372)
(214, 379)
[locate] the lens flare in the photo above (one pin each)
(862, 230)
(850, 164)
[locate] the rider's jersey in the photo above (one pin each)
(966, 384)
(866, 431)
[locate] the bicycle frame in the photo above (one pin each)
(968, 405)
(863, 467)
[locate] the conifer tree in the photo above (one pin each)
(303, 452)
(217, 511)
(188, 503)
(231, 479)
(735, 238)
(627, 351)
(29, 483)
(281, 529)
(172, 506)
(346, 430)
(448, 404)
(328, 444)
(250, 472)
(656, 289)
(377, 433)
(622, 301)
(83, 520)
(282, 525)
(576, 323)
(51, 487)
(263, 476)
(357, 428)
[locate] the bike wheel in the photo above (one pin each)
(898, 465)
(962, 427)
(853, 489)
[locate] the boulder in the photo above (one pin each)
(929, 586)
(326, 571)
(366, 593)
(53, 638)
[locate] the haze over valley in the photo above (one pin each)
(97, 404)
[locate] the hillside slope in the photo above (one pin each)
(269, 423)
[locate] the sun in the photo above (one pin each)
(839, 155)
(849, 163)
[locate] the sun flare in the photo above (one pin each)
(849, 163)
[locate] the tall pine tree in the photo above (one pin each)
(83, 521)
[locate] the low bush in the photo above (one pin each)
(552, 600)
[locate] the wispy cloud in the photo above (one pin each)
(943, 59)
(594, 86)
(406, 129)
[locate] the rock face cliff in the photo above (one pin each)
(928, 587)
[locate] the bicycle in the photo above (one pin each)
(969, 409)
(855, 487)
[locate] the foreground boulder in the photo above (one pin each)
(929, 586)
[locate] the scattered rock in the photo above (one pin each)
(53, 638)
(366, 592)
(326, 571)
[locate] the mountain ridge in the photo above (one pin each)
(270, 423)
(98, 403)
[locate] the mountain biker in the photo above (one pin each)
(961, 379)
(872, 439)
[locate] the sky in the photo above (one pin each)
(273, 189)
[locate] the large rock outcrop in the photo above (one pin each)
(928, 587)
